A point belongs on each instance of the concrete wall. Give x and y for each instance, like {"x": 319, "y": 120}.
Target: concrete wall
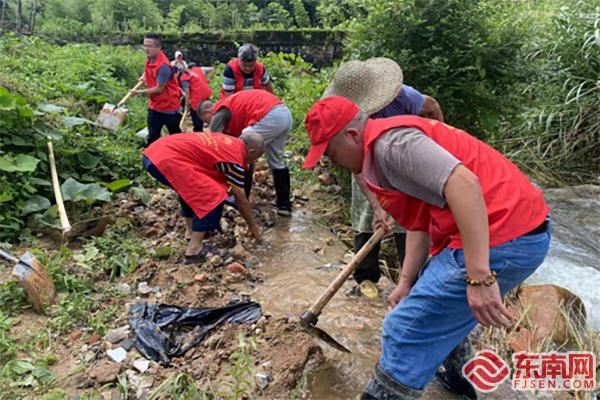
{"x": 319, "y": 47}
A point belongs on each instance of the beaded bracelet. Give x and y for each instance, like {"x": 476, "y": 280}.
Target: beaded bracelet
{"x": 489, "y": 281}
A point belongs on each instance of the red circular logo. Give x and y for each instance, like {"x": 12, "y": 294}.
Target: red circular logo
{"x": 486, "y": 371}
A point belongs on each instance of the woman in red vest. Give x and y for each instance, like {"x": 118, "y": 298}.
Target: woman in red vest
{"x": 245, "y": 72}
{"x": 162, "y": 89}
{"x": 201, "y": 167}
{"x": 484, "y": 224}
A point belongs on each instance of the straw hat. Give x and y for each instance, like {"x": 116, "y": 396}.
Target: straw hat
{"x": 371, "y": 84}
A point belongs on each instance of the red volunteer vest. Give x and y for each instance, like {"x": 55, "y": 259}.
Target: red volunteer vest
{"x": 247, "y": 108}
{"x": 257, "y": 74}
{"x": 170, "y": 98}
{"x": 188, "y": 161}
{"x": 199, "y": 89}
{"x": 514, "y": 205}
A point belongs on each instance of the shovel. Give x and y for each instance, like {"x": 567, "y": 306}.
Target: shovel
{"x": 112, "y": 116}
{"x": 89, "y": 227}
{"x": 309, "y": 318}
{"x": 34, "y": 279}
{"x": 62, "y": 212}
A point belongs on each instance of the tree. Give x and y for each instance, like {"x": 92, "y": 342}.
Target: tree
{"x": 276, "y": 15}
{"x": 447, "y": 49}
{"x": 300, "y": 14}
{"x": 114, "y": 14}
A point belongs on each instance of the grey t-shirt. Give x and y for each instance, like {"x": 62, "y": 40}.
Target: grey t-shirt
{"x": 408, "y": 161}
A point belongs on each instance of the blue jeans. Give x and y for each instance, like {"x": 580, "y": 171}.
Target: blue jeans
{"x": 420, "y": 332}
{"x": 210, "y": 222}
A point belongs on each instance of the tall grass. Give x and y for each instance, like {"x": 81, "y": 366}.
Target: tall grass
{"x": 556, "y": 137}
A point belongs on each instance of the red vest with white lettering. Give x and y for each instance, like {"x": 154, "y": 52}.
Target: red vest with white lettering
{"x": 170, "y": 98}
{"x": 247, "y": 108}
{"x": 514, "y": 206}
{"x": 199, "y": 89}
{"x": 188, "y": 162}
{"x": 257, "y": 74}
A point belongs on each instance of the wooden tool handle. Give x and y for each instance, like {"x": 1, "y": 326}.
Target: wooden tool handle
{"x": 64, "y": 220}
{"x": 5, "y": 256}
{"x": 128, "y": 95}
{"x": 318, "y": 305}
{"x": 183, "y": 118}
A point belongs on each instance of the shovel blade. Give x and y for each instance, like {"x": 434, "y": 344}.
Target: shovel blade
{"x": 326, "y": 337}
{"x": 35, "y": 280}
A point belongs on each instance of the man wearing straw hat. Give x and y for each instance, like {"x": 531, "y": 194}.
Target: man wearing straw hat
{"x": 484, "y": 224}
{"x": 376, "y": 87}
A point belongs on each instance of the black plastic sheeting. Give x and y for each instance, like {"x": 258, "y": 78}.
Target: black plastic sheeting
{"x": 162, "y": 331}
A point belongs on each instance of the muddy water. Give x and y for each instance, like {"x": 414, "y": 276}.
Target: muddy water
{"x": 295, "y": 279}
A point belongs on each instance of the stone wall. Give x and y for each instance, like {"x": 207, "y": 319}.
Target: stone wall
{"x": 319, "y": 47}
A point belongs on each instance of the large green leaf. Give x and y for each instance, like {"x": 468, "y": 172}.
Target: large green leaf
{"x": 74, "y": 121}
{"x": 87, "y": 160}
{"x": 50, "y": 108}
{"x": 7, "y": 100}
{"x": 118, "y": 185}
{"x": 77, "y": 191}
{"x": 20, "y": 163}
{"x": 35, "y": 203}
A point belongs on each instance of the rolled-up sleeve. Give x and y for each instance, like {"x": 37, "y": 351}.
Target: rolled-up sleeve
{"x": 409, "y": 161}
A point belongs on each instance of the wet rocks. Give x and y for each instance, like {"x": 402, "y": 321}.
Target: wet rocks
{"x": 116, "y": 335}
{"x": 551, "y": 312}
{"x": 105, "y": 372}
{"x": 215, "y": 261}
{"x": 236, "y": 268}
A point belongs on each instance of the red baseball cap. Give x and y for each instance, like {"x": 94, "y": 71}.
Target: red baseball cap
{"x": 325, "y": 119}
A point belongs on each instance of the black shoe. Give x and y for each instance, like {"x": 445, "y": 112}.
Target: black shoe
{"x": 281, "y": 180}
{"x": 456, "y": 384}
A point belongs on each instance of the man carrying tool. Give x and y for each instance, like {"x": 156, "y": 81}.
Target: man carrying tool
{"x": 195, "y": 85}
{"x": 484, "y": 224}
{"x": 264, "y": 113}
{"x": 376, "y": 87}
{"x": 162, "y": 89}
{"x": 200, "y": 167}
{"x": 245, "y": 72}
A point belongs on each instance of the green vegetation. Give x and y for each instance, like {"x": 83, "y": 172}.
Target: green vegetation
{"x": 521, "y": 75}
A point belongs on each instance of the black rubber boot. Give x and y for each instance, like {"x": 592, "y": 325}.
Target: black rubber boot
{"x": 281, "y": 180}
{"x": 248, "y": 181}
{"x": 381, "y": 386}
{"x": 450, "y": 373}
{"x": 368, "y": 268}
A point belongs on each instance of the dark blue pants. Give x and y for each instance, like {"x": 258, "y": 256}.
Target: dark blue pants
{"x": 210, "y": 222}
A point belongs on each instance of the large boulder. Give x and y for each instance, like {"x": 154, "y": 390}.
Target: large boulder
{"x": 552, "y": 314}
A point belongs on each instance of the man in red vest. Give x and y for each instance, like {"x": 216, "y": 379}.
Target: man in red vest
{"x": 162, "y": 89}
{"x": 195, "y": 85}
{"x": 264, "y": 113}
{"x": 245, "y": 72}
{"x": 484, "y": 224}
{"x": 201, "y": 167}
